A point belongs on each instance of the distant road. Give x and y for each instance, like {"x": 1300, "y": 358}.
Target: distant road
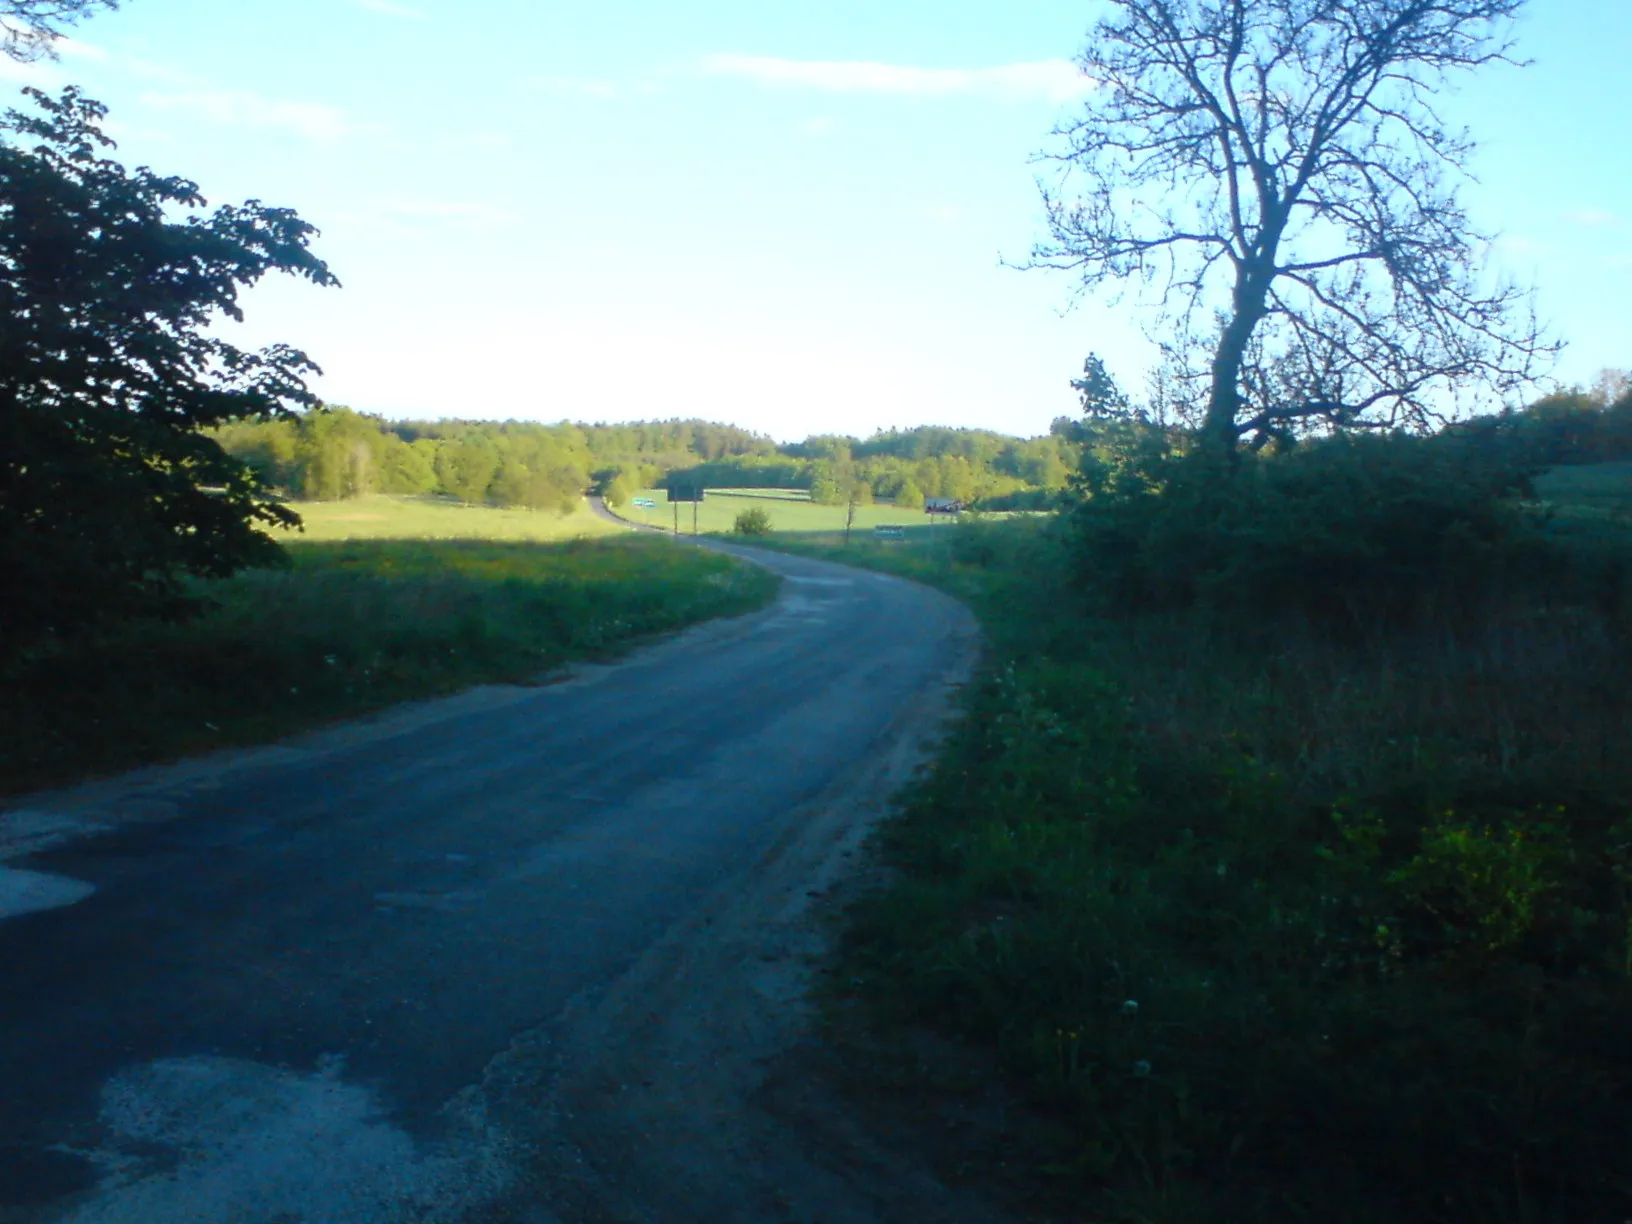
{"x": 334, "y": 980}
{"x": 598, "y": 507}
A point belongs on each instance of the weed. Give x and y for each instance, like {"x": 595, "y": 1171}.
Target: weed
{"x": 348, "y": 627}
{"x": 1285, "y": 921}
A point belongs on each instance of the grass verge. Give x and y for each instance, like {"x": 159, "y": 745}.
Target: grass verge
{"x": 347, "y": 628}
{"x": 1263, "y": 924}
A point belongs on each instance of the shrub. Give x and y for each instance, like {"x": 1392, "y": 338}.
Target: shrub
{"x": 1280, "y": 920}
{"x": 753, "y": 522}
{"x": 1365, "y": 533}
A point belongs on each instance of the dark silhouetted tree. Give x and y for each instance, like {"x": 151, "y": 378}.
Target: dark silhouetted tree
{"x": 1277, "y": 171}
{"x": 110, "y": 494}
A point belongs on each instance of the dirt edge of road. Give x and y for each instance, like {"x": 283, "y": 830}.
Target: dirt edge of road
{"x": 683, "y": 1095}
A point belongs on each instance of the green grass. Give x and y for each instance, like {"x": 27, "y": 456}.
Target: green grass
{"x": 1263, "y": 924}
{"x": 1595, "y": 486}
{"x": 380, "y": 516}
{"x": 348, "y": 628}
{"x": 791, "y": 511}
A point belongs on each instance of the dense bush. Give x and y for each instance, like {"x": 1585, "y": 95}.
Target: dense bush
{"x": 1366, "y": 532}
{"x": 753, "y": 522}
{"x": 1293, "y": 888}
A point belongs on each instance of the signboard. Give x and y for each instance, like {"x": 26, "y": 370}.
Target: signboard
{"x": 681, "y": 493}
{"x": 645, "y": 503}
{"x": 883, "y": 532}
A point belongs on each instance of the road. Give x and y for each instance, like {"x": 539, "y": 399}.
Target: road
{"x": 458, "y": 961}
{"x": 599, "y": 508}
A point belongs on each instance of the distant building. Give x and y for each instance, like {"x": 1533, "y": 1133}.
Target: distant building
{"x": 942, "y": 505}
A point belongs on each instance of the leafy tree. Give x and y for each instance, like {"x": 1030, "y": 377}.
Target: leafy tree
{"x": 338, "y": 455}
{"x": 407, "y": 467}
{"x": 910, "y": 497}
{"x": 958, "y": 479}
{"x": 270, "y": 449}
{"x": 29, "y": 27}
{"x": 110, "y": 493}
{"x": 466, "y": 469}
{"x": 618, "y": 490}
{"x": 1100, "y": 395}
{"x": 824, "y": 485}
{"x": 1276, "y": 168}
{"x": 512, "y": 485}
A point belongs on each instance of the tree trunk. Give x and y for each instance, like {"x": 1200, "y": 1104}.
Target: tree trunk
{"x": 1219, "y": 432}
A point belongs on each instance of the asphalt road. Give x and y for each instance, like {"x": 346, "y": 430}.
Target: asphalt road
{"x": 322, "y": 981}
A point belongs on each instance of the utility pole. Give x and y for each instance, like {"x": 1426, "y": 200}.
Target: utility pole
{"x": 676, "y": 506}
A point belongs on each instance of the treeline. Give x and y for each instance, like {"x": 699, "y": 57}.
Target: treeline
{"x": 338, "y": 453}
{"x": 977, "y": 467}
{"x": 1570, "y": 427}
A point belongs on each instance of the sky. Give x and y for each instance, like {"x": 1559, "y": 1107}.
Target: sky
{"x": 794, "y": 218}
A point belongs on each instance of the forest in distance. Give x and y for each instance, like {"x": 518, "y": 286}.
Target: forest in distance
{"x": 335, "y": 454}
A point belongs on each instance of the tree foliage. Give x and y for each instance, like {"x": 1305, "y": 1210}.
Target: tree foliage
{"x": 29, "y": 27}
{"x": 340, "y": 453}
{"x": 1277, "y": 170}
{"x": 109, "y": 492}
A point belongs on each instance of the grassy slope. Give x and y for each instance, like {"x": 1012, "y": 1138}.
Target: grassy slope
{"x": 349, "y": 627}
{"x": 1275, "y": 933}
{"x": 380, "y": 516}
{"x": 790, "y": 511}
{"x": 1603, "y": 487}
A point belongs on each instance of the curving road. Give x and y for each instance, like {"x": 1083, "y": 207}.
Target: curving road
{"x": 373, "y": 974}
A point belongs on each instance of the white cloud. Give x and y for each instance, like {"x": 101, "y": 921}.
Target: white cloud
{"x": 609, "y": 91}
{"x": 1056, "y": 79}
{"x": 471, "y": 215}
{"x": 820, "y": 125}
{"x": 390, "y": 9}
{"x": 41, "y": 74}
{"x": 1595, "y": 217}
{"x": 313, "y": 121}
{"x": 72, "y": 48}
{"x": 1519, "y": 244}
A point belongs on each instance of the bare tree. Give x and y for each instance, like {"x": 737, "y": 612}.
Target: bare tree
{"x": 29, "y": 27}
{"x": 1278, "y": 172}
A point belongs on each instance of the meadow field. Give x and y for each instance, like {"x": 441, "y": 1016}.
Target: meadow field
{"x": 790, "y": 510}
{"x": 381, "y": 516}
{"x": 1602, "y": 487}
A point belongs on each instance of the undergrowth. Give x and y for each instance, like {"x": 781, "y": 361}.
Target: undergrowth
{"x": 1279, "y": 912}
{"x": 346, "y": 628}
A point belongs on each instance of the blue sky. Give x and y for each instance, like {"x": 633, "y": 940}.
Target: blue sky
{"x": 790, "y": 217}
